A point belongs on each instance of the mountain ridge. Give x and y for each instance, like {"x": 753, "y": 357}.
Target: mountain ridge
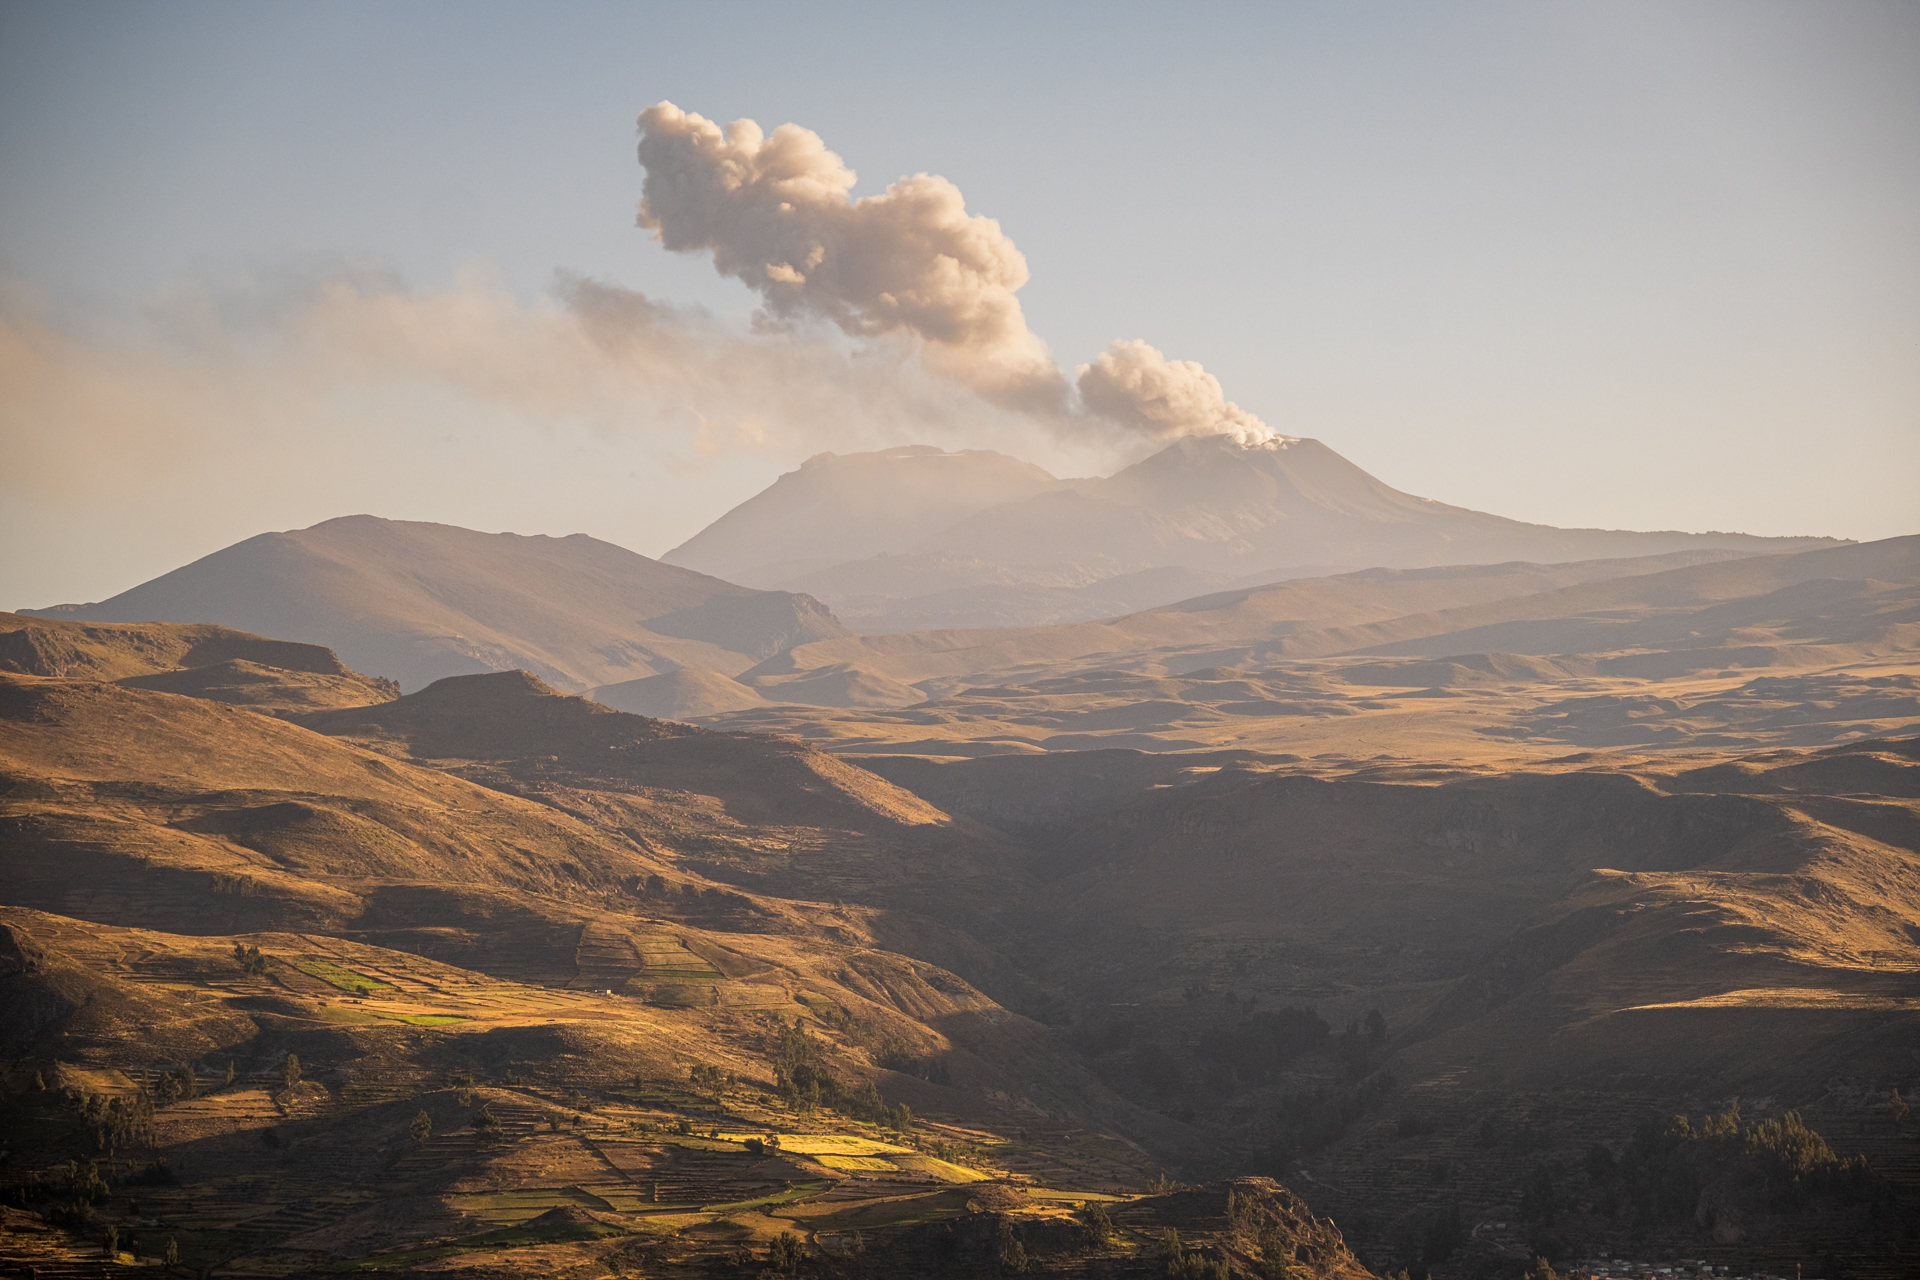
{"x": 1012, "y": 546}
{"x": 417, "y": 601}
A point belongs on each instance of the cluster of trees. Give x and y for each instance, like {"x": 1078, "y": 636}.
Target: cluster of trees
{"x": 895, "y": 1055}
{"x": 117, "y": 1122}
{"x": 76, "y": 1189}
{"x": 804, "y": 1082}
{"x": 249, "y": 959}
{"x": 702, "y": 1076}
{"x": 1780, "y": 1161}
{"x": 1777, "y": 1164}
{"x": 1188, "y": 1264}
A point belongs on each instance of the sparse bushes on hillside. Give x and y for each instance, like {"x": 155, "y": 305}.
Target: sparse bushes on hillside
{"x": 703, "y": 1076}
{"x": 895, "y": 1055}
{"x": 1189, "y": 1264}
{"x": 249, "y": 959}
{"x": 1779, "y": 1162}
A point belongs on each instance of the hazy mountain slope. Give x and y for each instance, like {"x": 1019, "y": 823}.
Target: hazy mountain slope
{"x": 418, "y": 601}
{"x": 200, "y": 661}
{"x": 1208, "y": 503}
{"x": 678, "y": 695}
{"x": 1256, "y": 617}
{"x": 836, "y": 508}
{"x": 1860, "y": 594}
{"x": 928, "y": 592}
{"x": 909, "y": 539}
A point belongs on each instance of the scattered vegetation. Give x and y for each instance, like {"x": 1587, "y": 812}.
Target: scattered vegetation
{"x": 1672, "y": 1169}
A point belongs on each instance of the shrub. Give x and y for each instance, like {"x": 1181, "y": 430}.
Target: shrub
{"x": 786, "y": 1253}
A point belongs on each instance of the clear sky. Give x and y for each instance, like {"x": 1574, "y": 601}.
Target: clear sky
{"x": 1641, "y": 265}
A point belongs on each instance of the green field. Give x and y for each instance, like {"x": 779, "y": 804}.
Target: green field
{"x": 427, "y": 1019}
{"x": 345, "y": 979}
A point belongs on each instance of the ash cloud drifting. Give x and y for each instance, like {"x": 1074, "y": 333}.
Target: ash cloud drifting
{"x": 776, "y": 212}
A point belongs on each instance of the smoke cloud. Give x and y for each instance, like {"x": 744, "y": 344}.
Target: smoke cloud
{"x": 1134, "y": 385}
{"x": 776, "y": 212}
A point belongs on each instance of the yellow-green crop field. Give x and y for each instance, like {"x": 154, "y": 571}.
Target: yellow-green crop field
{"x": 345, "y": 979}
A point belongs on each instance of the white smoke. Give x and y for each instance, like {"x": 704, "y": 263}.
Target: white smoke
{"x": 776, "y": 212}
{"x": 1133, "y": 384}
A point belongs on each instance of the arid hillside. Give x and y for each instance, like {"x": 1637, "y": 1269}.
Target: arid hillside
{"x": 1557, "y": 952}
{"x": 1470, "y": 663}
{"x": 201, "y": 661}
{"x": 607, "y": 954}
{"x": 414, "y": 602}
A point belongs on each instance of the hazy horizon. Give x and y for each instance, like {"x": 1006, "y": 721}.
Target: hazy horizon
{"x": 1650, "y": 267}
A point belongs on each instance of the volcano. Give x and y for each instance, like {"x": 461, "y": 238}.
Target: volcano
{"x": 980, "y": 539}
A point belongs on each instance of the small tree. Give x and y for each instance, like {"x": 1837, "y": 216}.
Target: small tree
{"x": 1276, "y": 1254}
{"x": 1898, "y": 1106}
{"x": 172, "y": 1253}
{"x": 1542, "y": 1270}
{"x": 112, "y": 1247}
{"x": 786, "y": 1253}
{"x": 290, "y": 1070}
{"x": 1013, "y": 1253}
{"x": 421, "y": 1127}
{"x": 231, "y": 1073}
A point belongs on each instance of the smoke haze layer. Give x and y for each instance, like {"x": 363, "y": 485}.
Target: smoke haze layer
{"x": 776, "y": 211}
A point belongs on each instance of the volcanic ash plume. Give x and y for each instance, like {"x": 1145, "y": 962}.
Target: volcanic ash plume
{"x": 1132, "y": 384}
{"x": 775, "y": 212}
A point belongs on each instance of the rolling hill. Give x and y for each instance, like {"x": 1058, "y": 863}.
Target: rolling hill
{"x": 201, "y": 661}
{"x": 1694, "y": 649}
{"x": 415, "y": 602}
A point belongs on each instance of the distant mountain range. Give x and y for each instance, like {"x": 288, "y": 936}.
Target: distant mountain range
{"x": 416, "y": 602}
{"x": 909, "y": 540}
{"x": 915, "y": 538}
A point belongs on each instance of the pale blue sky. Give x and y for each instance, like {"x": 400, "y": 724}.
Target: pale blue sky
{"x": 1648, "y": 265}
